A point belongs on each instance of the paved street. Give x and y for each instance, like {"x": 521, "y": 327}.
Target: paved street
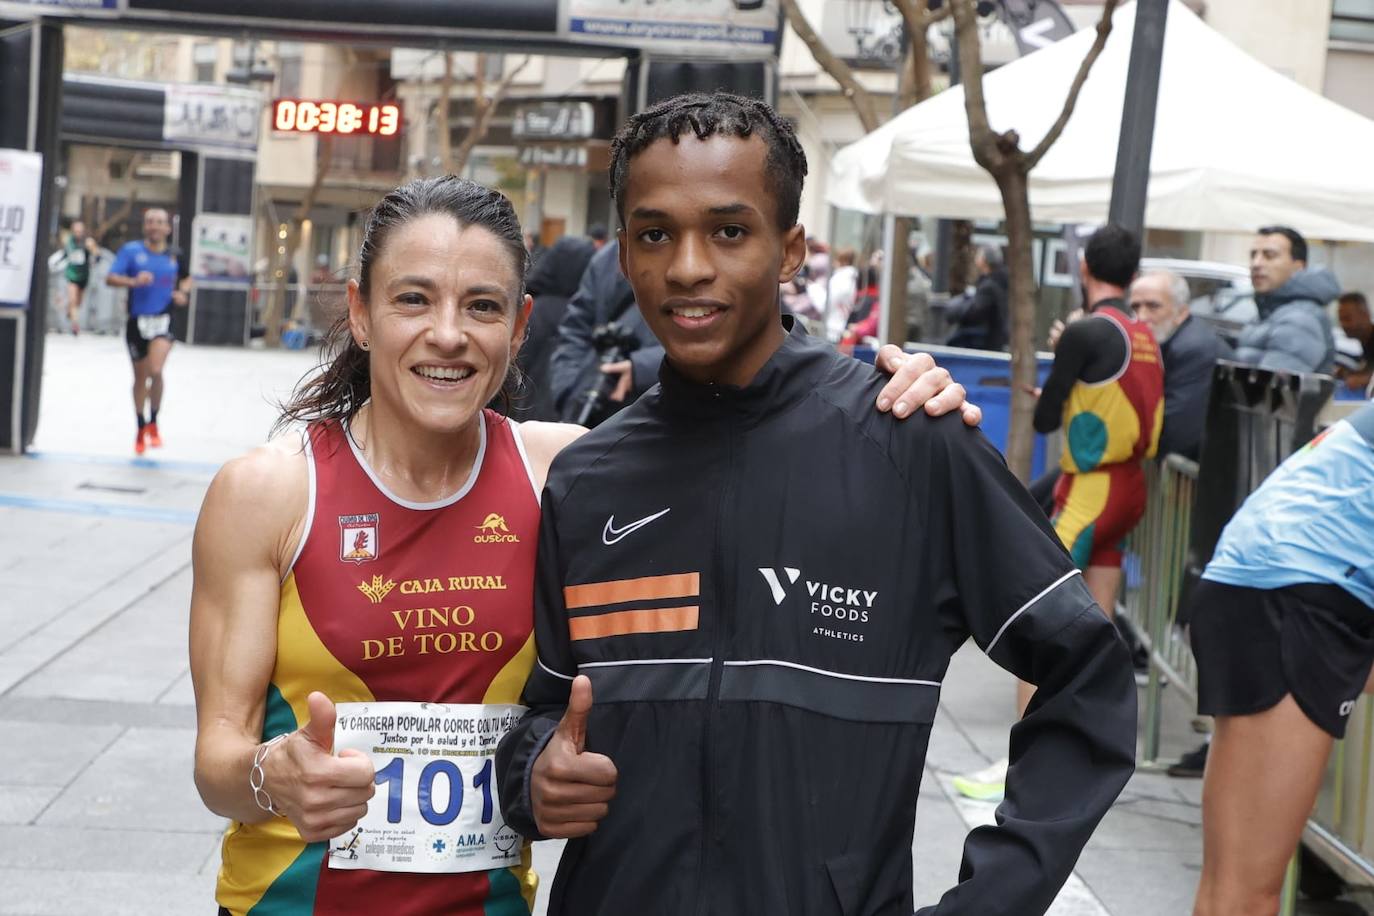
{"x": 98, "y": 813}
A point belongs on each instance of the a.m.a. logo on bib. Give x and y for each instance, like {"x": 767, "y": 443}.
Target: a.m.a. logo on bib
{"x": 493, "y": 530}
{"x": 358, "y": 538}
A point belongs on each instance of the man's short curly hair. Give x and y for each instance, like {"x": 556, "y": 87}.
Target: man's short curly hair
{"x": 723, "y": 114}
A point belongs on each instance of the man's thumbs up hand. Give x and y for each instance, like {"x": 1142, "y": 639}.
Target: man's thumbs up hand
{"x": 570, "y": 789}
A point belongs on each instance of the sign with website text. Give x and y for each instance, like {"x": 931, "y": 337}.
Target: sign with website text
{"x": 21, "y": 178}
{"x": 63, "y": 7}
{"x": 714, "y": 27}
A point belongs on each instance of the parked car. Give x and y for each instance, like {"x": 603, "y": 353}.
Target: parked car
{"x": 1221, "y": 294}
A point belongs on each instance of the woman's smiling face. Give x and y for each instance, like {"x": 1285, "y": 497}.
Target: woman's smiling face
{"x": 442, "y": 319}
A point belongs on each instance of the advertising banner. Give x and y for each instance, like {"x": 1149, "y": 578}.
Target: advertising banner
{"x": 214, "y": 116}
{"x": 221, "y": 248}
{"x": 21, "y": 178}
{"x": 737, "y": 28}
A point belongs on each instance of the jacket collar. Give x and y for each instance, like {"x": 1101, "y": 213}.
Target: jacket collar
{"x": 785, "y": 378}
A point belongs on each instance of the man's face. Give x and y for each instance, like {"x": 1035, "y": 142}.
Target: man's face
{"x": 1272, "y": 262}
{"x": 702, "y": 248}
{"x": 156, "y": 226}
{"x": 1154, "y": 304}
{"x": 79, "y": 231}
{"x": 1354, "y": 319}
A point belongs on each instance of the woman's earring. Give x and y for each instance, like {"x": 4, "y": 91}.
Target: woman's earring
{"x": 363, "y": 345}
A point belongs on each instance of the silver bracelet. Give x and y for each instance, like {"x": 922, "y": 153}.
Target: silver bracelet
{"x": 256, "y": 777}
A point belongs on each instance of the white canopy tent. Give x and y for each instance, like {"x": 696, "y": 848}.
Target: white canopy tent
{"x": 1236, "y": 145}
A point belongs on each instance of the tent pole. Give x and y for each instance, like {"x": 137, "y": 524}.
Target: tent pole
{"x": 886, "y": 294}
{"x": 1138, "y": 117}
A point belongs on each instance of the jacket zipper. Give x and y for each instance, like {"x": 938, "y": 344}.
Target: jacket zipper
{"x": 717, "y": 666}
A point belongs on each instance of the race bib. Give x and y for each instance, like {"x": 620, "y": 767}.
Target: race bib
{"x": 153, "y": 326}
{"x": 436, "y": 807}
{"x": 77, "y": 257}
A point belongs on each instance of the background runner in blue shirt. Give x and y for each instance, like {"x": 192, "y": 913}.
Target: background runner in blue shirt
{"x": 148, "y": 269}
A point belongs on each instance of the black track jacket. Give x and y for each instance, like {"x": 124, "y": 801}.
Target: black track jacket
{"x": 765, "y": 586}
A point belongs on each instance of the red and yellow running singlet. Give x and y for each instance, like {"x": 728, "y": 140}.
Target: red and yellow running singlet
{"x": 392, "y": 600}
{"x": 1119, "y": 419}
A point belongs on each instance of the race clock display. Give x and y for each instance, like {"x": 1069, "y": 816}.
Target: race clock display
{"x": 308, "y": 116}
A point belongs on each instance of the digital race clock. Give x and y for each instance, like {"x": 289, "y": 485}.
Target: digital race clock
{"x": 308, "y": 116}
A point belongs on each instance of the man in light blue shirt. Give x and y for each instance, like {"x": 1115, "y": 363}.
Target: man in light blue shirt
{"x": 1283, "y": 632}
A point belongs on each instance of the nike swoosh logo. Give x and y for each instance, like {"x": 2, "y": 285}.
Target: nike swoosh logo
{"x": 613, "y": 535}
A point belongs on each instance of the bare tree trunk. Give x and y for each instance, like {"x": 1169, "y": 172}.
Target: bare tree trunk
{"x": 483, "y": 110}
{"x": 1001, "y": 155}
{"x": 445, "y": 102}
{"x": 838, "y": 70}
{"x": 126, "y": 208}
{"x": 1021, "y": 308}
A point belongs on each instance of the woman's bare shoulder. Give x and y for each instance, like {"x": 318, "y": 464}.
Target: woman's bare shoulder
{"x": 543, "y": 442}
{"x": 260, "y": 496}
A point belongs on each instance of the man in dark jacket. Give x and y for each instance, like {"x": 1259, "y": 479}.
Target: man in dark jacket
{"x": 1294, "y": 331}
{"x": 603, "y": 296}
{"x": 763, "y": 581}
{"x": 1354, "y": 316}
{"x": 982, "y": 320}
{"x": 552, "y": 282}
{"x": 1190, "y": 349}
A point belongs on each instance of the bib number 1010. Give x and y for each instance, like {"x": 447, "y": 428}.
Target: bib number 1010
{"x": 393, "y": 776}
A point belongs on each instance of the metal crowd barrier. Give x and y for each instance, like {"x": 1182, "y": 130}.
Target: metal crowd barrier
{"x": 1158, "y": 550}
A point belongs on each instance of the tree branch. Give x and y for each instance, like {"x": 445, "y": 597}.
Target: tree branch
{"x": 1104, "y": 28}
{"x": 940, "y": 15}
{"x": 917, "y": 85}
{"x": 853, "y": 90}
{"x": 130, "y": 199}
{"x": 982, "y": 139}
{"x": 484, "y": 109}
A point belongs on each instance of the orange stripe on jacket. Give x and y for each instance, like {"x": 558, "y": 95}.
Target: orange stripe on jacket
{"x": 650, "y": 588}
{"x": 623, "y": 623}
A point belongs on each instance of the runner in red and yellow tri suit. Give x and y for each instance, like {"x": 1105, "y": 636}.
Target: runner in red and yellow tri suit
{"x": 395, "y": 600}
{"x": 1109, "y": 368}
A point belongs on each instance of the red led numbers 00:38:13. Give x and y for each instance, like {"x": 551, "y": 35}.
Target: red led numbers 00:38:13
{"x": 330, "y": 117}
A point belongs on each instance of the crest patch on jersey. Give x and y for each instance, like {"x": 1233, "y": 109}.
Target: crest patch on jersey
{"x": 358, "y": 538}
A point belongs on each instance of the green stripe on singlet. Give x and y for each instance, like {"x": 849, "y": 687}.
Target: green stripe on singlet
{"x": 505, "y": 898}
{"x": 293, "y": 893}
{"x": 277, "y": 719}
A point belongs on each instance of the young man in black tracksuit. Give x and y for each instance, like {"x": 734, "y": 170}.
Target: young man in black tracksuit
{"x": 750, "y": 585}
